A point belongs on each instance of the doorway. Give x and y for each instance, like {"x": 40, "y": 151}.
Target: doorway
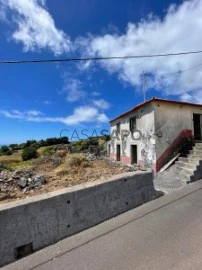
{"x": 133, "y": 154}
{"x": 197, "y": 126}
{"x": 109, "y": 150}
{"x": 118, "y": 152}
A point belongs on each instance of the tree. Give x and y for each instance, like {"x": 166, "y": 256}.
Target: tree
{"x": 30, "y": 142}
{"x": 29, "y": 153}
{"x": 63, "y": 140}
{"x": 5, "y": 150}
{"x": 13, "y": 147}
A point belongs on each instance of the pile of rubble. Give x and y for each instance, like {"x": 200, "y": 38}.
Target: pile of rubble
{"x": 129, "y": 168}
{"x": 90, "y": 157}
{"x": 27, "y": 179}
{"x": 24, "y": 180}
{"x": 46, "y": 163}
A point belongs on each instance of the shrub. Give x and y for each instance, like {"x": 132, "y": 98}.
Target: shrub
{"x": 47, "y": 151}
{"x": 75, "y": 160}
{"x": 61, "y": 153}
{"x": 85, "y": 164}
{"x": 3, "y": 167}
{"x": 5, "y": 150}
{"x": 29, "y": 153}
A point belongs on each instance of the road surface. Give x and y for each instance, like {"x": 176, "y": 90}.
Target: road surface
{"x": 163, "y": 234}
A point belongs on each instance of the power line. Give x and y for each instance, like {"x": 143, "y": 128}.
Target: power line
{"x": 181, "y": 71}
{"x": 96, "y": 58}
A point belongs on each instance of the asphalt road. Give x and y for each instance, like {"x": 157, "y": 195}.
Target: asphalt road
{"x": 163, "y": 234}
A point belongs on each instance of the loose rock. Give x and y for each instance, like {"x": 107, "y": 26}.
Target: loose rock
{"x": 23, "y": 182}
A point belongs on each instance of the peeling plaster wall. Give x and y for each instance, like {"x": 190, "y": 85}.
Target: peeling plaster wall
{"x": 160, "y": 124}
{"x": 170, "y": 121}
{"x": 146, "y": 152}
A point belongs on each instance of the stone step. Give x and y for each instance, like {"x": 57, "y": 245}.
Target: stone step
{"x": 190, "y": 159}
{"x": 195, "y": 160}
{"x": 188, "y": 165}
{"x": 197, "y": 148}
{"x": 185, "y": 176}
{"x": 198, "y": 145}
{"x": 198, "y": 156}
{"x": 189, "y": 171}
{"x": 196, "y": 151}
{"x": 183, "y": 159}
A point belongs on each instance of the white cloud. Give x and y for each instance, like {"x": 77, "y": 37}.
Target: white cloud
{"x": 179, "y": 31}
{"x": 35, "y": 27}
{"x": 34, "y": 113}
{"x": 3, "y": 15}
{"x": 82, "y": 114}
{"x": 102, "y": 118}
{"x": 72, "y": 88}
{"x": 194, "y": 96}
{"x": 85, "y": 114}
{"x": 96, "y": 93}
{"x": 16, "y": 114}
{"x": 102, "y": 104}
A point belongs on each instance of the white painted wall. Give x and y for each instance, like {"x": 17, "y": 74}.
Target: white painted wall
{"x": 170, "y": 120}
{"x": 146, "y": 145}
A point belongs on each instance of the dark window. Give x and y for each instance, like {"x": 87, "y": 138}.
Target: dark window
{"x": 118, "y": 152}
{"x": 118, "y": 128}
{"x": 133, "y": 154}
{"x": 133, "y": 123}
{"x": 197, "y": 126}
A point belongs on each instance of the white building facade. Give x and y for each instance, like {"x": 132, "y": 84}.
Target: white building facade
{"x": 151, "y": 132}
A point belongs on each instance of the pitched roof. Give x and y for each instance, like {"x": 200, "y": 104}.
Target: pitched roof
{"x": 155, "y": 99}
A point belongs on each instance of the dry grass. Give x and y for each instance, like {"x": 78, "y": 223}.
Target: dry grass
{"x": 72, "y": 165}
{"x": 15, "y": 157}
{"x": 61, "y": 153}
{"x": 75, "y": 160}
{"x": 73, "y": 170}
{"x": 14, "y": 162}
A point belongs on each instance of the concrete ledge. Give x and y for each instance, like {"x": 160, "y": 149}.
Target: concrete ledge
{"x": 73, "y": 242}
{"x": 42, "y": 220}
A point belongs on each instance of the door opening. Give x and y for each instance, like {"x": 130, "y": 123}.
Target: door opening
{"x": 109, "y": 150}
{"x": 197, "y": 126}
{"x": 133, "y": 154}
{"x": 118, "y": 152}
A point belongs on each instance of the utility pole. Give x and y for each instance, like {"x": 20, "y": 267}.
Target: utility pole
{"x": 144, "y": 85}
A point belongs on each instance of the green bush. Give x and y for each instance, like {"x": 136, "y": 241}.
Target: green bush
{"x": 47, "y": 152}
{"x": 29, "y": 153}
{"x": 5, "y": 150}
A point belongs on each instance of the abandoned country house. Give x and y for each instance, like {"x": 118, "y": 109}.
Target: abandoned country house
{"x": 152, "y": 132}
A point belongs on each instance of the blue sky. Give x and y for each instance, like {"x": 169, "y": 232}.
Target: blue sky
{"x": 40, "y": 100}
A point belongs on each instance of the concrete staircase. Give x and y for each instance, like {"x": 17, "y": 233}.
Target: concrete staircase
{"x": 190, "y": 167}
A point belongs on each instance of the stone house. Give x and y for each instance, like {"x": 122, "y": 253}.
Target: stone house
{"x": 150, "y": 133}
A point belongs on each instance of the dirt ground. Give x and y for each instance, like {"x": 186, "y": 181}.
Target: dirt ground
{"x": 71, "y": 176}
{"x": 61, "y": 173}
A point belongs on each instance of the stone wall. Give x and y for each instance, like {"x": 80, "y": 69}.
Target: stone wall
{"x": 31, "y": 224}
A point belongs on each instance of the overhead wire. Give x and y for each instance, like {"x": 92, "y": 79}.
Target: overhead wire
{"x": 96, "y": 58}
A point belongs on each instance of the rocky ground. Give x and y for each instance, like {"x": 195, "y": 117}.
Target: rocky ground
{"x": 53, "y": 173}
